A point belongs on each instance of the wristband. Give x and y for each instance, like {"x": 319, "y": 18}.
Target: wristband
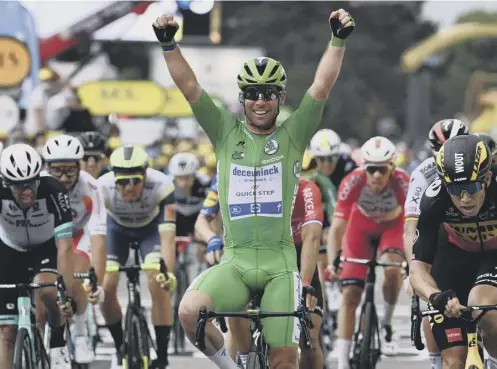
{"x": 168, "y": 46}
{"x": 337, "y": 42}
{"x": 306, "y": 283}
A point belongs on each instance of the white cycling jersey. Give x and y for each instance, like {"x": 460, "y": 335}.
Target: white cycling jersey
{"x": 142, "y": 212}
{"x": 421, "y": 177}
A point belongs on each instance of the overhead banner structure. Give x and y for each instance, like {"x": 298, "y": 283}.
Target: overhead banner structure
{"x": 133, "y": 98}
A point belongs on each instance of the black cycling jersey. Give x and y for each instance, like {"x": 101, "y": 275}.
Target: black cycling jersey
{"x": 472, "y": 234}
{"x": 344, "y": 166}
{"x": 188, "y": 207}
{"x": 49, "y": 216}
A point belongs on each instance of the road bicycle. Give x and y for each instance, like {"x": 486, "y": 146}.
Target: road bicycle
{"x": 30, "y": 351}
{"x": 258, "y": 355}
{"x": 137, "y": 338}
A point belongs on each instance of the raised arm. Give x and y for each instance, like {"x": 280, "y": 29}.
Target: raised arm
{"x": 342, "y": 25}
{"x": 165, "y": 27}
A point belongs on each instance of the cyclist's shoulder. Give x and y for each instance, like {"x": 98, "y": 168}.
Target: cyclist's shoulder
{"x": 308, "y": 188}
{"x": 346, "y": 163}
{"x": 354, "y": 177}
{"x": 50, "y": 185}
{"x": 87, "y": 182}
{"x": 158, "y": 182}
{"x": 426, "y": 169}
{"x": 435, "y": 199}
{"x": 107, "y": 180}
{"x": 400, "y": 175}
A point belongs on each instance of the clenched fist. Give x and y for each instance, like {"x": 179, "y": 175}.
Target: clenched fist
{"x": 165, "y": 27}
{"x": 341, "y": 23}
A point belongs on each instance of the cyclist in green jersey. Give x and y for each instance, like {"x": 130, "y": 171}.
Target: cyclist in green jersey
{"x": 258, "y": 169}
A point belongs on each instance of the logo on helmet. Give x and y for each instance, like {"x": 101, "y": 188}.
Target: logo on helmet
{"x": 480, "y": 156}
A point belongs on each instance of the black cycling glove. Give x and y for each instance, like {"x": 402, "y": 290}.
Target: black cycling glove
{"x": 439, "y": 299}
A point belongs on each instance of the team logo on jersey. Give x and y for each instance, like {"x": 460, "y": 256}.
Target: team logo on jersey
{"x": 237, "y": 155}
{"x": 296, "y": 169}
{"x": 434, "y": 188}
{"x": 416, "y": 236}
{"x": 271, "y": 146}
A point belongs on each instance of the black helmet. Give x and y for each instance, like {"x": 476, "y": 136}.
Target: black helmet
{"x": 463, "y": 159}
{"x": 489, "y": 141}
{"x": 443, "y": 130}
{"x": 93, "y": 143}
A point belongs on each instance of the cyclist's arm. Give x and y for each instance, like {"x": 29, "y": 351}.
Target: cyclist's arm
{"x": 60, "y": 207}
{"x": 337, "y": 230}
{"x": 210, "y": 208}
{"x": 97, "y": 226}
{"x": 182, "y": 75}
{"x": 327, "y": 73}
{"x": 167, "y": 229}
{"x": 425, "y": 249}
{"x": 311, "y": 231}
{"x": 410, "y": 225}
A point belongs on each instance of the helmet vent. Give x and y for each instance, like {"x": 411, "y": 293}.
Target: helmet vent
{"x": 274, "y": 70}
{"x": 10, "y": 173}
{"x": 28, "y": 156}
{"x": 37, "y": 166}
{"x": 249, "y": 72}
{"x": 78, "y": 149}
{"x": 128, "y": 152}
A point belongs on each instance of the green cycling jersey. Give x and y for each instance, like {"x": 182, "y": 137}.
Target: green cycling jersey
{"x": 328, "y": 191}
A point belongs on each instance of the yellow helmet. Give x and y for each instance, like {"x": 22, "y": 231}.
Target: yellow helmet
{"x": 210, "y": 161}
{"x": 114, "y": 142}
{"x": 308, "y": 162}
{"x": 129, "y": 159}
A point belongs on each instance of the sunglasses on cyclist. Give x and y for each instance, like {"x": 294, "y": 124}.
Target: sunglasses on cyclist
{"x": 97, "y": 157}
{"x": 60, "y": 171}
{"x": 329, "y": 159}
{"x": 261, "y": 93}
{"x": 23, "y": 185}
{"x": 372, "y": 169}
{"x": 132, "y": 180}
{"x": 456, "y": 189}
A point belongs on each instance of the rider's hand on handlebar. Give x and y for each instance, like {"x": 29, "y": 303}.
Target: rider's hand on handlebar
{"x": 93, "y": 297}
{"x": 311, "y": 301}
{"x": 330, "y": 274}
{"x": 214, "y": 250}
{"x": 67, "y": 308}
{"x": 408, "y": 287}
{"x": 447, "y": 302}
{"x": 168, "y": 283}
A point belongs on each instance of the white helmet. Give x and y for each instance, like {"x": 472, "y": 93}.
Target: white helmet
{"x": 378, "y": 150}
{"x": 325, "y": 142}
{"x": 63, "y": 148}
{"x": 20, "y": 162}
{"x": 183, "y": 164}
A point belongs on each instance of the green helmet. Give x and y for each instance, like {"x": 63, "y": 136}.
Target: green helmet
{"x": 129, "y": 159}
{"x": 262, "y": 71}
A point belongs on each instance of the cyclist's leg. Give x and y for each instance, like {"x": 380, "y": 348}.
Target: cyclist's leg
{"x": 13, "y": 269}
{"x": 83, "y": 345}
{"x": 485, "y": 293}
{"x": 162, "y": 310}
{"x": 118, "y": 241}
{"x": 456, "y": 269}
{"x": 219, "y": 288}
{"x": 391, "y": 249}
{"x": 356, "y": 245}
{"x": 239, "y": 339}
{"x": 283, "y": 292}
{"x": 313, "y": 358}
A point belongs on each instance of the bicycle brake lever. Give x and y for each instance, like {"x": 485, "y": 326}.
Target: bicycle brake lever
{"x": 93, "y": 279}
{"x": 163, "y": 268}
{"x": 200, "y": 334}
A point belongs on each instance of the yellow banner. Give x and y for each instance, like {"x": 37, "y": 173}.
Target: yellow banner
{"x": 133, "y": 98}
{"x": 15, "y": 62}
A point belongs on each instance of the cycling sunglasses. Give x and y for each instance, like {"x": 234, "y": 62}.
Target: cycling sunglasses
{"x": 23, "y": 185}
{"x": 123, "y": 181}
{"x": 329, "y": 159}
{"x": 456, "y": 189}
{"x": 60, "y": 171}
{"x": 372, "y": 169}
{"x": 261, "y": 93}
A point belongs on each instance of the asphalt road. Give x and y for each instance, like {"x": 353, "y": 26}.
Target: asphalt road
{"x": 407, "y": 358}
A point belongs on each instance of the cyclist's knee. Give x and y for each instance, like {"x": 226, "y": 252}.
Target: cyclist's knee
{"x": 454, "y": 357}
{"x": 351, "y": 296}
{"x": 111, "y": 280}
{"x": 8, "y": 334}
{"x": 283, "y": 358}
{"x": 189, "y": 306}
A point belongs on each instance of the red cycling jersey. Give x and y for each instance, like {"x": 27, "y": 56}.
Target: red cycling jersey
{"x": 308, "y": 208}
{"x": 370, "y": 215}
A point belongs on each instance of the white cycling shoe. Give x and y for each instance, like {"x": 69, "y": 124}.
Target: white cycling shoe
{"x": 59, "y": 358}
{"x": 83, "y": 350}
{"x": 389, "y": 346}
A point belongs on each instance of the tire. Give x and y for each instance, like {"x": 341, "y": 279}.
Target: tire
{"x": 179, "y": 333}
{"x": 23, "y": 354}
{"x": 41, "y": 349}
{"x": 137, "y": 341}
{"x": 367, "y": 358}
{"x": 255, "y": 360}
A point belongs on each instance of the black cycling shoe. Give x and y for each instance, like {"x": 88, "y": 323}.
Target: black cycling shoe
{"x": 156, "y": 364}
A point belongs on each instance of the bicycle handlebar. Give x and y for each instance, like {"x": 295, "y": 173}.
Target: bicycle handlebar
{"x": 377, "y": 262}
{"x": 416, "y": 324}
{"x": 160, "y": 267}
{"x": 91, "y": 276}
{"x": 466, "y": 309}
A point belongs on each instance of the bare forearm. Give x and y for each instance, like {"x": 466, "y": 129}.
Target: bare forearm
{"x": 182, "y": 75}
{"x": 327, "y": 72}
{"x": 168, "y": 249}
{"x": 99, "y": 256}
{"x": 335, "y": 239}
{"x": 309, "y": 256}
{"x": 409, "y": 232}
{"x": 65, "y": 260}
{"x": 204, "y": 229}
{"x": 421, "y": 280}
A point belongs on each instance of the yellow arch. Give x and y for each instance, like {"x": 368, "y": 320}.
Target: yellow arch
{"x": 413, "y": 58}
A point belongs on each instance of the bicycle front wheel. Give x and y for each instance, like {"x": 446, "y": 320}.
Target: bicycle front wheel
{"x": 255, "y": 360}
{"x": 137, "y": 348}
{"x": 369, "y": 346}
{"x": 179, "y": 333}
{"x": 23, "y": 352}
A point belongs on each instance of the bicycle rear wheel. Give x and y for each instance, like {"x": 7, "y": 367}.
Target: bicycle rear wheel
{"x": 370, "y": 348}
{"x": 137, "y": 354}
{"x": 23, "y": 353}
